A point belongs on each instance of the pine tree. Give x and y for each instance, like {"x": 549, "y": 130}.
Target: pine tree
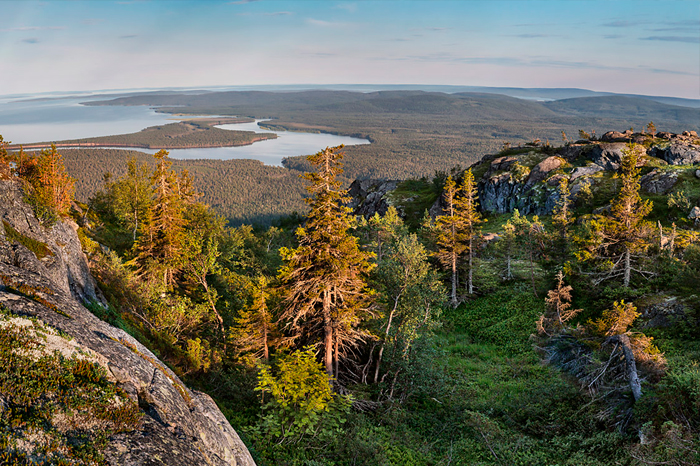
{"x": 324, "y": 279}
{"x": 255, "y": 328}
{"x": 164, "y": 225}
{"x": 450, "y": 236}
{"x": 562, "y": 219}
{"x": 620, "y": 240}
{"x": 469, "y": 219}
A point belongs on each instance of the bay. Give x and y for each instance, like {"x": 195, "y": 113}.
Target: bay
{"x": 27, "y": 121}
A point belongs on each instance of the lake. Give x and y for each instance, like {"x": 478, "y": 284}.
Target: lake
{"x": 52, "y": 120}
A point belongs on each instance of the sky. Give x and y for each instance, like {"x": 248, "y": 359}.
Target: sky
{"x": 624, "y": 46}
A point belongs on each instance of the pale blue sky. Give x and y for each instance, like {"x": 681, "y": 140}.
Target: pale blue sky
{"x": 645, "y": 47}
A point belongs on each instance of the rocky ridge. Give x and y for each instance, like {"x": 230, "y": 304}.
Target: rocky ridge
{"x": 45, "y": 276}
{"x": 528, "y": 178}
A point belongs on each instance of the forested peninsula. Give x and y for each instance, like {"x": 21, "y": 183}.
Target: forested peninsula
{"x": 188, "y": 134}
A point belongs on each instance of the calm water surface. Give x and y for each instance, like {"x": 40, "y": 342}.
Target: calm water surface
{"x": 54, "y": 120}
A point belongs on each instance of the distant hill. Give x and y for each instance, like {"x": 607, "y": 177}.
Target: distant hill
{"x": 414, "y": 132}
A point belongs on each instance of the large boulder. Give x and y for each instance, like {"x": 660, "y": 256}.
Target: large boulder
{"x": 588, "y": 170}
{"x": 656, "y": 182}
{"x": 679, "y": 154}
{"x": 608, "y": 156}
{"x": 44, "y": 276}
{"x": 695, "y": 214}
{"x": 612, "y": 136}
{"x": 541, "y": 171}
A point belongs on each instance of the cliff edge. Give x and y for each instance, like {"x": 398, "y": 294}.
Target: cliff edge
{"x": 44, "y": 283}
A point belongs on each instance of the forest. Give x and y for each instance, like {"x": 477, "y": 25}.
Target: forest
{"x": 416, "y": 133}
{"x": 469, "y": 336}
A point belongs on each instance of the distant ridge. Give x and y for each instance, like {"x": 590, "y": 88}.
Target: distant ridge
{"x": 542, "y": 94}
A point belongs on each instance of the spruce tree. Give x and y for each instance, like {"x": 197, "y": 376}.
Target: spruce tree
{"x": 450, "y": 236}
{"x": 324, "y": 277}
{"x": 160, "y": 244}
{"x": 469, "y": 220}
{"x": 619, "y": 241}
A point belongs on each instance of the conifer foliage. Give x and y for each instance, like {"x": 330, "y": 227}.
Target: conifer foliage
{"x": 619, "y": 240}
{"x": 325, "y": 276}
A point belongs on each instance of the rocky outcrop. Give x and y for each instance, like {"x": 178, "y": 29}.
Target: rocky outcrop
{"x": 656, "y": 182}
{"x": 370, "y": 196}
{"x": 694, "y": 214}
{"x": 608, "y": 156}
{"x": 678, "y": 154}
{"x": 588, "y": 170}
{"x": 45, "y": 276}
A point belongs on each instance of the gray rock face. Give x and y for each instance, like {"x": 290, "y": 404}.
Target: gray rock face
{"x": 180, "y": 426}
{"x": 695, "y": 214}
{"x": 679, "y": 154}
{"x": 608, "y": 156}
{"x": 585, "y": 171}
{"x": 611, "y": 136}
{"x": 369, "y": 196}
{"x": 502, "y": 194}
{"x": 65, "y": 265}
{"x": 697, "y": 174}
{"x": 658, "y": 183}
{"x": 541, "y": 171}
{"x": 503, "y": 163}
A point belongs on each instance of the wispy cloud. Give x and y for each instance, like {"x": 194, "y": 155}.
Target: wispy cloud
{"x": 327, "y": 24}
{"x": 278, "y": 13}
{"x": 31, "y": 40}
{"x": 349, "y": 7}
{"x": 242, "y": 2}
{"x": 34, "y": 28}
{"x": 623, "y": 24}
{"x": 129, "y": 36}
{"x": 612, "y": 36}
{"x": 664, "y": 71}
{"x": 531, "y": 36}
{"x": 91, "y": 21}
{"x": 686, "y": 39}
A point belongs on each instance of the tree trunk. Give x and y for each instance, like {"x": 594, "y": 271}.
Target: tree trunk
{"x": 631, "y": 366}
{"x": 628, "y": 268}
{"x": 328, "y": 333}
{"x": 453, "y": 299}
{"x": 386, "y": 335}
{"x": 470, "y": 282}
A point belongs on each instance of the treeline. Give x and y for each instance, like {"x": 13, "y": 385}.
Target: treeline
{"x": 243, "y": 191}
{"x": 181, "y": 135}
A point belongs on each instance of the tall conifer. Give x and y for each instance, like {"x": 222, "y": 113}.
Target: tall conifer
{"x": 325, "y": 276}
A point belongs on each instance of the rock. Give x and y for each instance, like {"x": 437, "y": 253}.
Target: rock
{"x": 695, "y": 214}
{"x": 662, "y": 314}
{"x": 571, "y": 152}
{"x": 612, "y": 136}
{"x": 580, "y": 183}
{"x": 541, "y": 170}
{"x": 608, "y": 155}
{"x": 503, "y": 163}
{"x": 369, "y": 196}
{"x": 606, "y": 209}
{"x": 556, "y": 180}
{"x": 691, "y": 134}
{"x": 679, "y": 154}
{"x": 664, "y": 135}
{"x": 584, "y": 171}
{"x": 697, "y": 173}
{"x": 179, "y": 426}
{"x": 658, "y": 183}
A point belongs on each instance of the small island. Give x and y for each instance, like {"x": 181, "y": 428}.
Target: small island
{"x": 187, "y": 134}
